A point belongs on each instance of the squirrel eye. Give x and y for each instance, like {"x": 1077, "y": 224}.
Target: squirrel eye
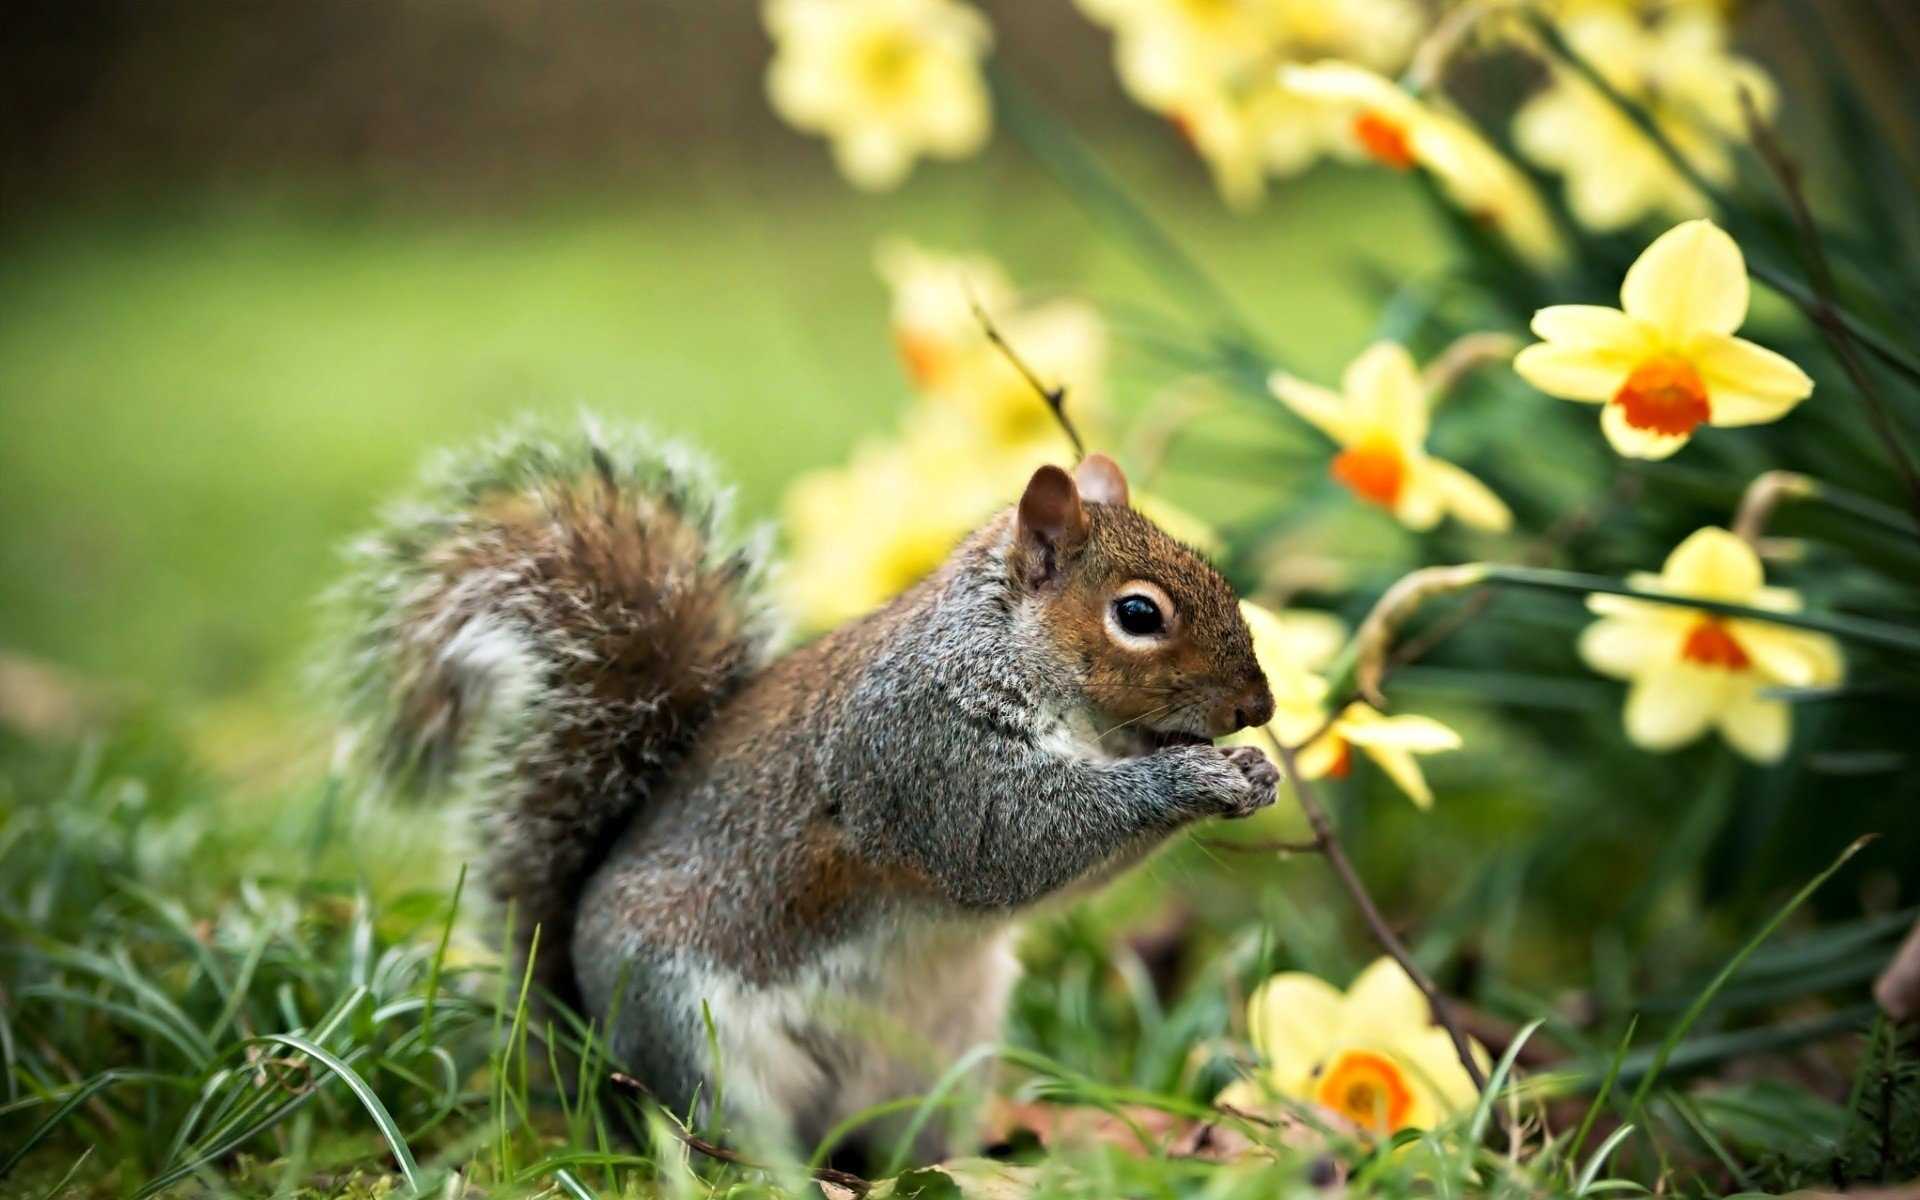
{"x": 1138, "y": 615}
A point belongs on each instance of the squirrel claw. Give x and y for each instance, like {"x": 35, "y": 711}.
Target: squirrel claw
{"x": 1261, "y": 780}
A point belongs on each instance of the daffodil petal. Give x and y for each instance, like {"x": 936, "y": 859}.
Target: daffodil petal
{"x": 1691, "y": 280}
{"x": 1794, "y": 657}
{"x": 1632, "y": 442}
{"x": 1714, "y": 565}
{"x": 1384, "y": 391}
{"x": 1384, "y": 1003}
{"x": 1606, "y": 604}
{"x": 1572, "y": 372}
{"x": 1625, "y": 647}
{"x": 1421, "y": 503}
{"x": 1669, "y": 707}
{"x": 873, "y": 157}
{"x": 1401, "y": 767}
{"x": 1757, "y": 727}
{"x": 1407, "y": 731}
{"x": 1292, "y": 1016}
{"x": 1469, "y": 500}
{"x": 1776, "y": 599}
{"x": 1747, "y": 384}
{"x": 1431, "y": 1059}
{"x": 1593, "y": 327}
{"x": 1316, "y": 760}
{"x": 1325, "y": 410}
{"x": 1346, "y": 85}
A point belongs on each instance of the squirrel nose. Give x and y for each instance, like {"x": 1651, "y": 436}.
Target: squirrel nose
{"x": 1255, "y": 706}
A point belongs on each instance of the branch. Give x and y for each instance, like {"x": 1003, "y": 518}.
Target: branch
{"x": 693, "y": 1141}
{"x": 1329, "y": 842}
{"x": 1055, "y": 397}
{"x": 1824, "y": 310}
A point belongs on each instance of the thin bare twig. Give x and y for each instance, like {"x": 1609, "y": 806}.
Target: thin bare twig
{"x": 693, "y": 1141}
{"x": 1329, "y": 839}
{"x": 1055, "y": 397}
{"x": 1824, "y": 310}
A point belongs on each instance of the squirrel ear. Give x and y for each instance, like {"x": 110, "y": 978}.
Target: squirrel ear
{"x": 1050, "y": 522}
{"x": 1101, "y": 481}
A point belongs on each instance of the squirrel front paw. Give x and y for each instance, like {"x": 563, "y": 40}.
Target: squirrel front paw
{"x": 1231, "y": 781}
{"x": 1260, "y": 777}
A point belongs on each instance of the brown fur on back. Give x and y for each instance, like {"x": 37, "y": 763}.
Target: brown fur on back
{"x": 549, "y": 638}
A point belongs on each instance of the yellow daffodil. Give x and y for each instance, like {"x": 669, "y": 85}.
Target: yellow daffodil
{"x": 956, "y": 368}
{"x": 1666, "y": 361}
{"x": 1372, "y": 1054}
{"x": 1380, "y": 421}
{"x": 1208, "y": 65}
{"x": 1380, "y": 121}
{"x": 1691, "y": 670}
{"x": 1680, "y": 70}
{"x": 885, "y": 80}
{"x": 1300, "y": 713}
{"x": 863, "y": 533}
{"x": 1168, "y": 50}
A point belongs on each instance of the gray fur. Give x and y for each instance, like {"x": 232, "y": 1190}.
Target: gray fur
{"x": 829, "y": 853}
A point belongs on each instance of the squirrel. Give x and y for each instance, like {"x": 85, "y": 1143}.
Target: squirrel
{"x": 784, "y": 885}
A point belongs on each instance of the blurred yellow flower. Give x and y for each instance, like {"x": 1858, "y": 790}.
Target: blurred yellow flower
{"x": 1690, "y": 670}
{"x": 1677, "y": 67}
{"x": 863, "y": 533}
{"x": 1208, "y": 65}
{"x": 1291, "y": 640}
{"x": 1285, "y": 652}
{"x": 1372, "y": 1054}
{"x": 1381, "y": 424}
{"x": 955, "y": 367}
{"x": 1666, "y": 361}
{"x": 1378, "y": 120}
{"x": 885, "y": 80}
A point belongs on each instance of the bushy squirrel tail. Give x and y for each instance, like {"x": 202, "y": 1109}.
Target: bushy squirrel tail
{"x": 541, "y": 630}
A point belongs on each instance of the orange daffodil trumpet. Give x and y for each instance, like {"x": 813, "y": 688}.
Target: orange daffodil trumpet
{"x": 1380, "y": 420}
{"x": 1372, "y": 1054}
{"x": 885, "y": 80}
{"x": 1692, "y": 670}
{"x": 1386, "y": 124}
{"x": 1286, "y": 645}
{"x": 1666, "y": 361}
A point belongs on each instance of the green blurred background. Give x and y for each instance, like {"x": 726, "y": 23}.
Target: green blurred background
{"x": 255, "y": 264}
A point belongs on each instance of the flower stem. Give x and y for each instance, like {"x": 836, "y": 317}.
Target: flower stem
{"x": 1328, "y": 843}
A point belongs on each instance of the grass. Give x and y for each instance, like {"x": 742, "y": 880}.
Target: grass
{"x": 280, "y": 998}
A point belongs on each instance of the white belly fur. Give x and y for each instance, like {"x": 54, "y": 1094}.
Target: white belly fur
{"x": 872, "y": 1021}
